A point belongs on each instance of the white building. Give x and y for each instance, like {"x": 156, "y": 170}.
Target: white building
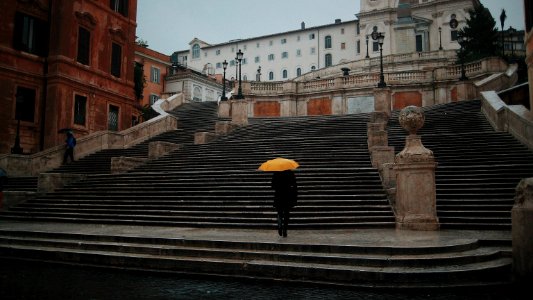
{"x": 408, "y": 25}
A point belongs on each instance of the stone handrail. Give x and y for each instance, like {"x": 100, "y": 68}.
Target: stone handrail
{"x": 515, "y": 119}
{"x": 366, "y": 79}
{"x": 31, "y": 165}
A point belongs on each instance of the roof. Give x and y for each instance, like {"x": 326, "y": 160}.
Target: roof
{"x": 271, "y": 35}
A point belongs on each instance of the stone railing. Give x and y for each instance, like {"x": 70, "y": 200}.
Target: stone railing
{"x": 369, "y": 80}
{"x": 32, "y": 165}
{"x": 515, "y": 119}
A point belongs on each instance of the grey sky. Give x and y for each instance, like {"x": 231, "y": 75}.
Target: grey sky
{"x": 169, "y": 25}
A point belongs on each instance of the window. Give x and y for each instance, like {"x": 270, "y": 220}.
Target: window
{"x": 197, "y": 94}
{"x": 313, "y": 68}
{"x": 257, "y": 59}
{"x": 285, "y": 55}
{"x": 112, "y": 118}
{"x": 271, "y": 75}
{"x": 312, "y": 36}
{"x": 80, "y": 109}
{"x": 419, "y": 46}
{"x": 155, "y": 75}
{"x": 453, "y": 35}
{"x": 120, "y": 6}
{"x": 342, "y": 30}
{"x": 244, "y": 77}
{"x": 257, "y": 45}
{"x": 285, "y": 74}
{"x": 358, "y": 29}
{"x": 343, "y": 45}
{"x": 357, "y": 47}
{"x": 84, "y": 46}
{"x": 219, "y": 65}
{"x": 205, "y": 54}
{"x": 327, "y": 41}
{"x": 217, "y": 52}
{"x": 284, "y": 41}
{"x": 195, "y": 51}
{"x": 329, "y": 60}
{"x": 153, "y": 99}
{"x": 313, "y": 50}
{"x": 375, "y": 46}
{"x": 299, "y": 72}
{"x": 25, "y": 104}
{"x": 116, "y": 59}
{"x": 30, "y": 35}
{"x": 298, "y": 52}
{"x": 298, "y": 38}
{"x": 271, "y": 43}
{"x": 271, "y": 57}
{"x": 232, "y": 62}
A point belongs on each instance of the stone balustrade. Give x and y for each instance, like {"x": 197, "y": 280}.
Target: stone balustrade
{"x": 31, "y": 165}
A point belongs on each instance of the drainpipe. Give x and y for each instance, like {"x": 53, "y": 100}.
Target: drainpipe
{"x": 45, "y": 79}
{"x": 318, "y": 48}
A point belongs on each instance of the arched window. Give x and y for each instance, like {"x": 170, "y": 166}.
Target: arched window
{"x": 196, "y": 51}
{"x": 313, "y": 68}
{"x": 329, "y": 60}
{"x": 285, "y": 74}
{"x": 271, "y": 76}
{"x": 327, "y": 41}
{"x": 245, "y": 78}
{"x": 197, "y": 93}
{"x": 299, "y": 72}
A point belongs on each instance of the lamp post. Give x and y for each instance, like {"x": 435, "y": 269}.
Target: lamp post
{"x": 440, "y": 38}
{"x": 462, "y": 40}
{"x": 224, "y": 66}
{"x": 239, "y": 59}
{"x": 367, "y": 56}
{"x": 380, "y": 37}
{"x": 511, "y": 32}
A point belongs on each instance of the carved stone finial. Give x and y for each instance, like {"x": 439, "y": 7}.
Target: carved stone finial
{"x": 524, "y": 193}
{"x": 412, "y": 118}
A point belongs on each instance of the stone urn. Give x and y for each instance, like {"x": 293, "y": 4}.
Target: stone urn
{"x": 412, "y": 118}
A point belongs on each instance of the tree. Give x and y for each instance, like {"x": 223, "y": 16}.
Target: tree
{"x": 139, "y": 80}
{"x": 503, "y": 17}
{"x": 481, "y": 34}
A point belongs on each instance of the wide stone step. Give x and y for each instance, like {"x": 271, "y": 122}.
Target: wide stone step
{"x": 366, "y": 265}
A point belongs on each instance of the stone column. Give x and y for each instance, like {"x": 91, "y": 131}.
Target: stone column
{"x": 382, "y": 100}
{"x": 415, "y": 177}
{"x": 239, "y": 112}
{"x": 522, "y": 232}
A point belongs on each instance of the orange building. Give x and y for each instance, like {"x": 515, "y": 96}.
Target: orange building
{"x": 155, "y": 66}
{"x": 65, "y": 64}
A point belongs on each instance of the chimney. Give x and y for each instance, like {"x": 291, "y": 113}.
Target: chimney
{"x": 303, "y": 25}
{"x": 337, "y": 21}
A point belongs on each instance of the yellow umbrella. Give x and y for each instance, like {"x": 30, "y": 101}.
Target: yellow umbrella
{"x": 278, "y": 164}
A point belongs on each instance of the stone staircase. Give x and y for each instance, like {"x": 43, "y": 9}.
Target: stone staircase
{"x": 478, "y": 168}
{"x": 218, "y": 185}
{"x": 451, "y": 263}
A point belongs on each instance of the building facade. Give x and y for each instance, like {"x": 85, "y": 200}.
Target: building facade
{"x": 528, "y": 11}
{"x": 65, "y": 64}
{"x": 409, "y": 26}
{"x": 155, "y": 66}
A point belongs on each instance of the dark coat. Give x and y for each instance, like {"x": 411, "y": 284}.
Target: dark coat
{"x": 285, "y": 189}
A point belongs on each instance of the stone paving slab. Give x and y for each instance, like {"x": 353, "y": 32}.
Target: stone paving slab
{"x": 355, "y": 237}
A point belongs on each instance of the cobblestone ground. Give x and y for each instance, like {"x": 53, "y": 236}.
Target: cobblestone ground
{"x": 33, "y": 280}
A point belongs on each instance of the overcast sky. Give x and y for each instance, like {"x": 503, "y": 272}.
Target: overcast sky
{"x": 169, "y": 25}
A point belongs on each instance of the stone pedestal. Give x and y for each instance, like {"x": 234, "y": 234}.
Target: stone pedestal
{"x": 224, "y": 127}
{"x": 465, "y": 90}
{"x": 239, "y": 112}
{"x": 224, "y": 109}
{"x": 378, "y": 138}
{"x": 522, "y": 232}
{"x": 123, "y": 164}
{"x": 381, "y": 155}
{"x": 415, "y": 177}
{"x": 49, "y": 182}
{"x": 382, "y": 100}
{"x": 203, "y": 137}
{"x": 159, "y": 148}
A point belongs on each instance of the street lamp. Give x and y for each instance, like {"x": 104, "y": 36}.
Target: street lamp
{"x": 380, "y": 37}
{"x": 511, "y": 32}
{"x": 239, "y": 59}
{"x": 224, "y": 66}
{"x": 440, "y": 38}
{"x": 462, "y": 40}
{"x": 367, "y": 56}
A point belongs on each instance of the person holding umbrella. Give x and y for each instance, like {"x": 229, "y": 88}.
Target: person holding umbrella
{"x": 285, "y": 189}
{"x": 70, "y": 143}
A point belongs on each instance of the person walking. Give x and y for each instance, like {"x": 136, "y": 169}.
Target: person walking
{"x": 70, "y": 143}
{"x": 285, "y": 197}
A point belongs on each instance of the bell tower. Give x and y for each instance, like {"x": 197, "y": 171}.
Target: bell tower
{"x": 370, "y": 5}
